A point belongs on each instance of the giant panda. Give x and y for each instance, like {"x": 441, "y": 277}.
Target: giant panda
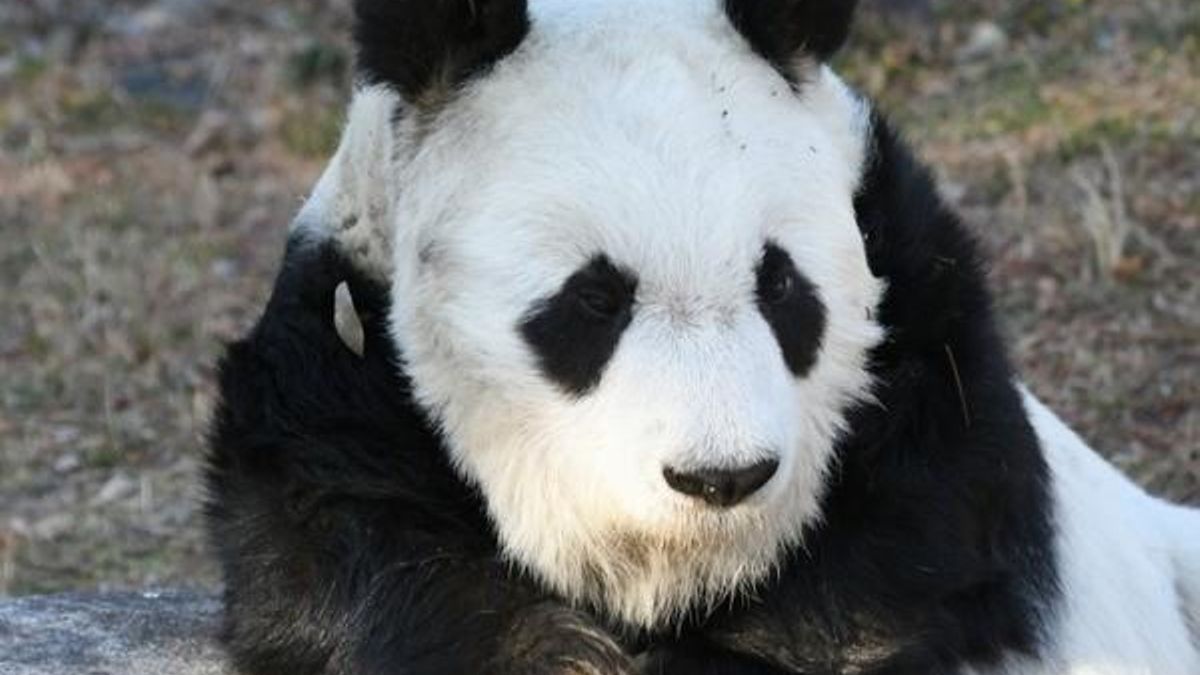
{"x": 622, "y": 337}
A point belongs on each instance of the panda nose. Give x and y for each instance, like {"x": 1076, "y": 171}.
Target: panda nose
{"x": 722, "y": 487}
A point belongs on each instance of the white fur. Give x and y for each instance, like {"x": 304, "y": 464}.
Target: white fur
{"x": 353, "y": 199}
{"x": 1129, "y": 566}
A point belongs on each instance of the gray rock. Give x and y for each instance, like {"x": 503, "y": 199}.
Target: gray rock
{"x": 987, "y": 39}
{"x": 149, "y": 633}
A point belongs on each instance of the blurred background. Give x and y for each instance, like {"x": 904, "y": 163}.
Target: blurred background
{"x": 152, "y": 153}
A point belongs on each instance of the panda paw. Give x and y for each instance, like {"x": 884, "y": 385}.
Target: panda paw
{"x": 551, "y": 639}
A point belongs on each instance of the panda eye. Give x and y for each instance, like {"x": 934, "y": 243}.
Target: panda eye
{"x": 776, "y": 287}
{"x": 776, "y": 277}
{"x": 601, "y": 290}
{"x": 600, "y": 301}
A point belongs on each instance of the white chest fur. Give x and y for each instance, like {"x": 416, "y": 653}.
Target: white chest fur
{"x": 1129, "y": 570}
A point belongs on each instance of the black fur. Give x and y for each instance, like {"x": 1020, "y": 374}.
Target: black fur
{"x": 575, "y": 332}
{"x": 420, "y": 45}
{"x": 791, "y": 307}
{"x": 779, "y": 30}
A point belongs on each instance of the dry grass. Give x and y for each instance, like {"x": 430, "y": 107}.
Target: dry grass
{"x": 148, "y": 170}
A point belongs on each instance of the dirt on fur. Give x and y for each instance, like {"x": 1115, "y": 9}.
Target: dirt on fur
{"x": 153, "y": 152}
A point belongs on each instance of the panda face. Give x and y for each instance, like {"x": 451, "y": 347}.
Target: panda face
{"x": 630, "y": 288}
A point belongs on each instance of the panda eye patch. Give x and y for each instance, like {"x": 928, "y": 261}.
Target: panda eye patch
{"x": 600, "y": 301}
{"x": 789, "y": 303}
{"x": 575, "y": 332}
{"x": 776, "y": 278}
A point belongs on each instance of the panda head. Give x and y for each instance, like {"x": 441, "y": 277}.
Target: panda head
{"x": 628, "y": 282}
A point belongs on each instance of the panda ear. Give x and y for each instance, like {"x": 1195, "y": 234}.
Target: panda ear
{"x": 420, "y": 47}
{"x": 782, "y": 30}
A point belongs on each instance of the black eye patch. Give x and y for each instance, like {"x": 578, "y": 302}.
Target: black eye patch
{"x": 575, "y": 332}
{"x": 789, "y": 303}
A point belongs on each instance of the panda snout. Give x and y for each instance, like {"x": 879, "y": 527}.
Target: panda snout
{"x": 722, "y": 487}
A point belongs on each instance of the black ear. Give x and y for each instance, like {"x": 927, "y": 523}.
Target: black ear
{"x": 421, "y": 45}
{"x": 781, "y": 30}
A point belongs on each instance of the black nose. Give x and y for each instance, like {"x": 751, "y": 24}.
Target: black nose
{"x": 722, "y": 487}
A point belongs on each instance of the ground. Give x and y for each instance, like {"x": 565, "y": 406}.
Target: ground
{"x": 153, "y": 152}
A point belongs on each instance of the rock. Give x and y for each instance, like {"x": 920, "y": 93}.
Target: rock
{"x": 119, "y": 487}
{"x": 66, "y": 463}
{"x": 987, "y": 39}
{"x": 148, "y": 633}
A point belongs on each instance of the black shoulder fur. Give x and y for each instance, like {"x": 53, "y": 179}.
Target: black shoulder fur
{"x": 349, "y": 546}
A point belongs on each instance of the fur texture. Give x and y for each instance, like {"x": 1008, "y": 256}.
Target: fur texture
{"x": 712, "y": 257}
{"x": 424, "y": 48}
{"x": 783, "y": 31}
